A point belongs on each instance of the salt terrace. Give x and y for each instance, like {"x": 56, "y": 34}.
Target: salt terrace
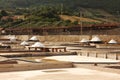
{"x": 91, "y": 62}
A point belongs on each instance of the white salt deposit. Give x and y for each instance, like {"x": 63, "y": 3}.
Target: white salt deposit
{"x": 38, "y": 44}
{"x": 12, "y": 38}
{"x": 34, "y": 38}
{"x": 24, "y": 43}
{"x": 38, "y": 60}
{"x": 112, "y": 41}
{"x": 84, "y": 41}
{"x": 96, "y": 39}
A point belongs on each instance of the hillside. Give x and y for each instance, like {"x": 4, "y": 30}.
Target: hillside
{"x": 109, "y": 5}
{"x": 49, "y": 16}
{"x": 54, "y": 13}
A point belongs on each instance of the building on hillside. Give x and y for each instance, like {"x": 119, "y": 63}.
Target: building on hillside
{"x": 16, "y": 17}
{"x": 19, "y": 17}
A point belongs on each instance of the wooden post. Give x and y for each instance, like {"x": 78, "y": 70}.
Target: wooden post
{"x": 56, "y": 49}
{"x": 60, "y": 50}
{"x": 96, "y": 55}
{"x": 116, "y": 56}
{"x": 95, "y": 64}
{"x": 79, "y": 53}
{"x": 106, "y": 56}
{"x": 52, "y": 49}
{"x": 88, "y": 54}
{"x": 29, "y": 48}
{"x": 65, "y": 49}
{"x": 35, "y": 49}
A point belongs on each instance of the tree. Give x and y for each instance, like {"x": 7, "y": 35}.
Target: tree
{"x": 3, "y": 13}
{"x": 75, "y": 22}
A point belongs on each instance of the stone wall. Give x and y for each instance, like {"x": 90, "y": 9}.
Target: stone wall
{"x": 64, "y": 38}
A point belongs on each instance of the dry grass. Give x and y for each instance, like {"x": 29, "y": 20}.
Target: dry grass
{"x": 75, "y": 18}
